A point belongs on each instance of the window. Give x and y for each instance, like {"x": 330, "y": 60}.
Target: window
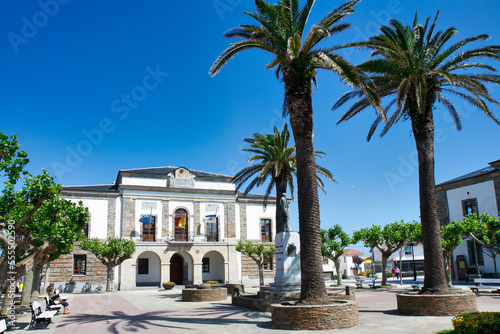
{"x": 181, "y": 225}
{"x": 148, "y": 230}
{"x": 469, "y": 207}
{"x": 408, "y": 250}
{"x": 213, "y": 230}
{"x": 143, "y": 266}
{"x": 472, "y": 247}
{"x": 268, "y": 265}
{"x": 86, "y": 230}
{"x": 325, "y": 260}
{"x": 265, "y": 229}
{"x": 205, "y": 265}
{"x": 79, "y": 264}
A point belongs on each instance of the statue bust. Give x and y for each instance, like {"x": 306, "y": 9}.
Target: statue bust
{"x": 285, "y": 213}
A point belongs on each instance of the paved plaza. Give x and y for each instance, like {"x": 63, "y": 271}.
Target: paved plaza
{"x": 162, "y": 311}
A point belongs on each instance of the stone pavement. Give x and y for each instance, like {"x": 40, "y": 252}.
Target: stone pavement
{"x": 162, "y": 311}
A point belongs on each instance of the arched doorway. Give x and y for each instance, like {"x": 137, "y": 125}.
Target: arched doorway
{"x": 177, "y": 269}
{"x": 148, "y": 270}
{"x": 213, "y": 267}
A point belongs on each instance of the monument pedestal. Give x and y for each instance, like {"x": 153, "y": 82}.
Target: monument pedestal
{"x": 287, "y": 280}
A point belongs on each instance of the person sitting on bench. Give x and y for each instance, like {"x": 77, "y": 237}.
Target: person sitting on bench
{"x": 56, "y": 299}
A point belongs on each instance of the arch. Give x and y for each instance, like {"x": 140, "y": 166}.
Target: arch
{"x": 177, "y": 269}
{"x": 213, "y": 267}
{"x": 147, "y": 269}
{"x": 181, "y": 224}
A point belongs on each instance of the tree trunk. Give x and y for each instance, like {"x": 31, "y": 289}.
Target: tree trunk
{"x": 27, "y": 284}
{"x": 435, "y": 280}
{"x": 109, "y": 278}
{"x": 280, "y": 189}
{"x": 384, "y": 269}
{"x": 299, "y": 100}
{"x": 36, "y": 282}
{"x": 337, "y": 268}
{"x": 8, "y": 300}
{"x": 260, "y": 264}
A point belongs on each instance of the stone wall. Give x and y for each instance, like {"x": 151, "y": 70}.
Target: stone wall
{"x": 164, "y": 228}
{"x": 243, "y": 221}
{"x": 250, "y": 270}
{"x": 61, "y": 270}
{"x": 128, "y": 218}
{"x": 231, "y": 220}
{"x": 204, "y": 295}
{"x": 340, "y": 314}
{"x": 436, "y": 305}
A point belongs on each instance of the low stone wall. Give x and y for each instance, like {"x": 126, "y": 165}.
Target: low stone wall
{"x": 253, "y": 302}
{"x": 436, "y": 305}
{"x": 339, "y": 314}
{"x": 204, "y": 295}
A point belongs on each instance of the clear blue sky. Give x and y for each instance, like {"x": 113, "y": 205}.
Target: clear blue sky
{"x": 134, "y": 77}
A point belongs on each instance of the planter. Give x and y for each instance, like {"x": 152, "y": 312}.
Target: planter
{"x": 338, "y": 314}
{"x": 204, "y": 295}
{"x": 168, "y": 286}
{"x": 436, "y": 305}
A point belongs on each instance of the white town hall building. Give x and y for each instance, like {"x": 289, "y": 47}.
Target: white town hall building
{"x": 197, "y": 220}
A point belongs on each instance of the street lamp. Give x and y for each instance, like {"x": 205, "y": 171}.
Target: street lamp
{"x": 411, "y": 244}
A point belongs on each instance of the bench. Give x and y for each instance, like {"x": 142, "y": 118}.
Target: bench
{"x": 51, "y": 306}
{"x": 489, "y": 288}
{"x": 39, "y": 317}
{"x": 416, "y": 284}
{"x": 3, "y": 326}
{"x": 360, "y": 281}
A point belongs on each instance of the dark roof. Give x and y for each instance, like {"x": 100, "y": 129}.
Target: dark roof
{"x": 169, "y": 169}
{"x": 482, "y": 171}
{"x": 95, "y": 187}
{"x": 241, "y": 194}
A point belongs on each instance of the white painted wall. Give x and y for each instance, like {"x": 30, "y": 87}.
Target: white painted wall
{"x": 254, "y": 214}
{"x": 143, "y": 181}
{"x": 214, "y": 185}
{"x": 98, "y": 210}
{"x": 154, "y": 268}
{"x": 486, "y": 200}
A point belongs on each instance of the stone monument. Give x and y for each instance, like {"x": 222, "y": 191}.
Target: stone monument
{"x": 287, "y": 244}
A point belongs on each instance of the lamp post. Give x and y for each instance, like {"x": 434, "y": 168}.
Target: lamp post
{"x": 411, "y": 244}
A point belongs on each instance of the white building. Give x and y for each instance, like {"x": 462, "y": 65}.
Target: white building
{"x": 197, "y": 219}
{"x": 477, "y": 192}
{"x": 347, "y": 265}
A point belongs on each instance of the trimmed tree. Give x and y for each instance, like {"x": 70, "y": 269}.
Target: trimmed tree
{"x": 451, "y": 238}
{"x": 387, "y": 239}
{"x": 111, "y": 252}
{"x": 260, "y": 253}
{"x": 333, "y": 242}
{"x": 54, "y": 229}
{"x": 485, "y": 230}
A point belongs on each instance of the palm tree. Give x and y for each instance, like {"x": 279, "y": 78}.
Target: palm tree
{"x": 277, "y": 163}
{"x": 280, "y": 33}
{"x": 413, "y": 68}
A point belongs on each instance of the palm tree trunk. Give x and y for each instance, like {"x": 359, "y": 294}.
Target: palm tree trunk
{"x": 435, "y": 280}
{"x": 299, "y": 101}
{"x": 280, "y": 189}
